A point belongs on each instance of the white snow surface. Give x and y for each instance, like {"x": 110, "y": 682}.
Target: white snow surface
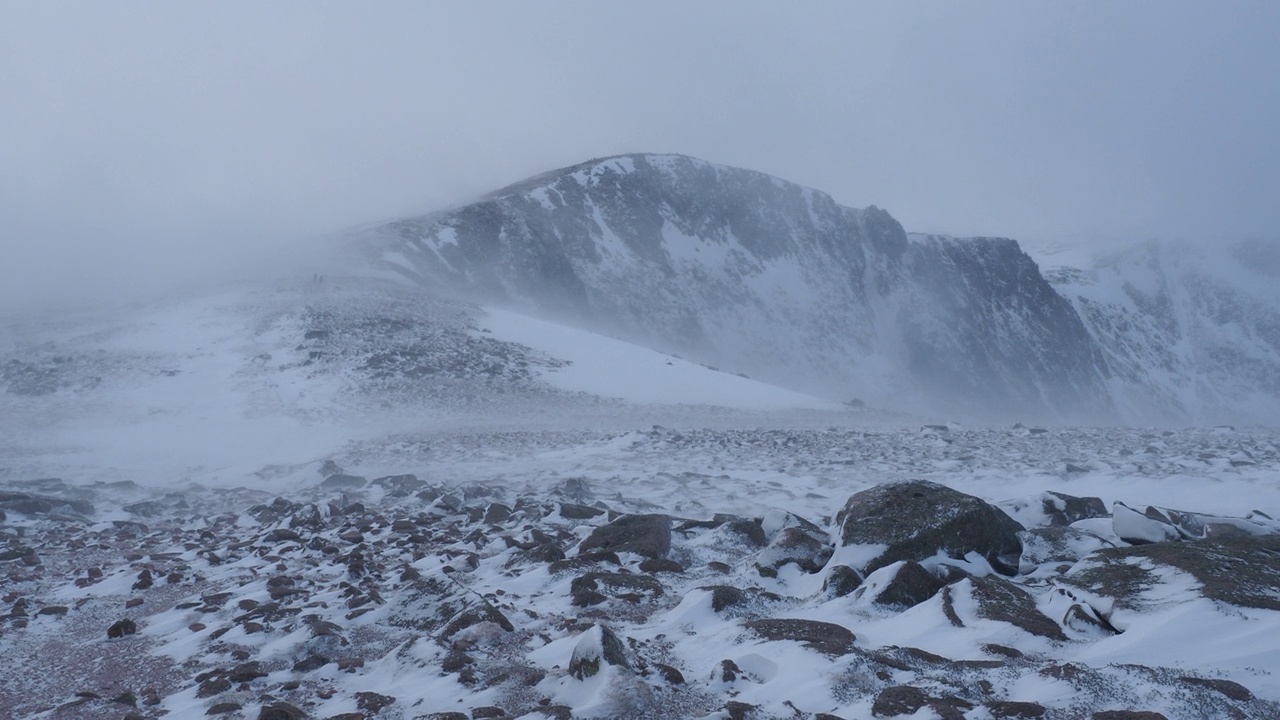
{"x": 217, "y": 392}
{"x": 616, "y": 369}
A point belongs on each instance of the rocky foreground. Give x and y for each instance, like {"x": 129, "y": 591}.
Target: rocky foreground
{"x": 398, "y": 598}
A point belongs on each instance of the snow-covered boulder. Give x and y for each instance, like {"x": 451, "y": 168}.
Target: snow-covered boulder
{"x": 917, "y": 520}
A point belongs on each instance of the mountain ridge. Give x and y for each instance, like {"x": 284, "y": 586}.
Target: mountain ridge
{"x": 746, "y": 271}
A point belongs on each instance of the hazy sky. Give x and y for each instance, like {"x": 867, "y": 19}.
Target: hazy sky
{"x": 182, "y": 140}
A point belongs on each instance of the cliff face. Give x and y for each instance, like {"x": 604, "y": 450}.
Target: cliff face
{"x": 753, "y": 274}
{"x": 1190, "y": 332}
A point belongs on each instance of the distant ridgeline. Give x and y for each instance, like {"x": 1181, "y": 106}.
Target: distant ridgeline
{"x": 752, "y": 274}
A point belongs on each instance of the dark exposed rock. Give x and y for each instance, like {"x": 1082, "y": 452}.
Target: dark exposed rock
{"x": 998, "y": 599}
{"x": 657, "y": 565}
{"x": 647, "y": 535}
{"x": 592, "y": 587}
{"x": 1233, "y": 690}
{"x": 748, "y": 531}
{"x": 738, "y": 710}
{"x": 917, "y": 519}
{"x": 246, "y": 672}
{"x": 342, "y": 481}
{"x": 1236, "y": 571}
{"x": 1128, "y": 715}
{"x": 281, "y": 535}
{"x": 213, "y": 686}
{"x": 122, "y": 628}
{"x": 670, "y": 674}
{"x": 572, "y": 511}
{"x": 598, "y": 644}
{"x": 899, "y": 700}
{"x": 487, "y": 711}
{"x": 310, "y": 662}
{"x": 911, "y": 585}
{"x": 797, "y": 545}
{"x": 479, "y": 613}
{"x": 725, "y": 596}
{"x": 841, "y": 580}
{"x": 281, "y": 711}
{"x": 826, "y": 638}
{"x": 373, "y": 702}
{"x": 584, "y": 560}
{"x": 1012, "y": 709}
{"x": 54, "y": 610}
{"x": 1063, "y": 509}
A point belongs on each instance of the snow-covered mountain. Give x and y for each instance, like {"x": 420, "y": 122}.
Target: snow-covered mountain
{"x": 1189, "y": 331}
{"x": 747, "y": 272}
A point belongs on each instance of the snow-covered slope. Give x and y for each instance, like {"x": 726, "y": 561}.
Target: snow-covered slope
{"x": 753, "y": 274}
{"x": 282, "y": 374}
{"x": 1190, "y": 332}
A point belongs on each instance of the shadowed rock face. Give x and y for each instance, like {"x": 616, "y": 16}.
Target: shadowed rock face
{"x": 917, "y": 519}
{"x": 753, "y": 274}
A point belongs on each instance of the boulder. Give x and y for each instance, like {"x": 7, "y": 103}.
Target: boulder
{"x": 595, "y": 587}
{"x": 1154, "y": 524}
{"x": 808, "y": 550}
{"x": 915, "y": 520}
{"x": 1013, "y": 709}
{"x": 597, "y": 645}
{"x": 841, "y": 580}
{"x": 1237, "y": 571}
{"x": 646, "y": 535}
{"x": 342, "y": 481}
{"x": 909, "y": 585}
{"x": 1000, "y": 600}
{"x": 281, "y": 711}
{"x": 826, "y": 638}
{"x": 373, "y": 702}
{"x": 1047, "y": 545}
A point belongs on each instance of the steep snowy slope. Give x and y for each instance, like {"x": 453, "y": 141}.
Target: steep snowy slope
{"x": 747, "y": 272}
{"x": 1191, "y": 332}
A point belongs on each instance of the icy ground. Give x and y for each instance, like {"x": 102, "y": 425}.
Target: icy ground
{"x": 349, "y": 503}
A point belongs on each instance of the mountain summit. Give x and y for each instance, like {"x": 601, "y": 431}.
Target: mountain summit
{"x": 756, "y": 275}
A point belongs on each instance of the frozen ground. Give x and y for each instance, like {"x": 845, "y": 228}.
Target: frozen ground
{"x": 215, "y": 459}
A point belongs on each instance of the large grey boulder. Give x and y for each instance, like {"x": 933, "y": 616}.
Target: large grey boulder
{"x": 647, "y": 535}
{"x": 916, "y": 520}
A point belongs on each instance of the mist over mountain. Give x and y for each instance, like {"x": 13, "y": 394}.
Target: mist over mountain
{"x": 756, "y": 275}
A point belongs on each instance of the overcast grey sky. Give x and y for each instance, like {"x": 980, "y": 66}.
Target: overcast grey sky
{"x": 179, "y": 140}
